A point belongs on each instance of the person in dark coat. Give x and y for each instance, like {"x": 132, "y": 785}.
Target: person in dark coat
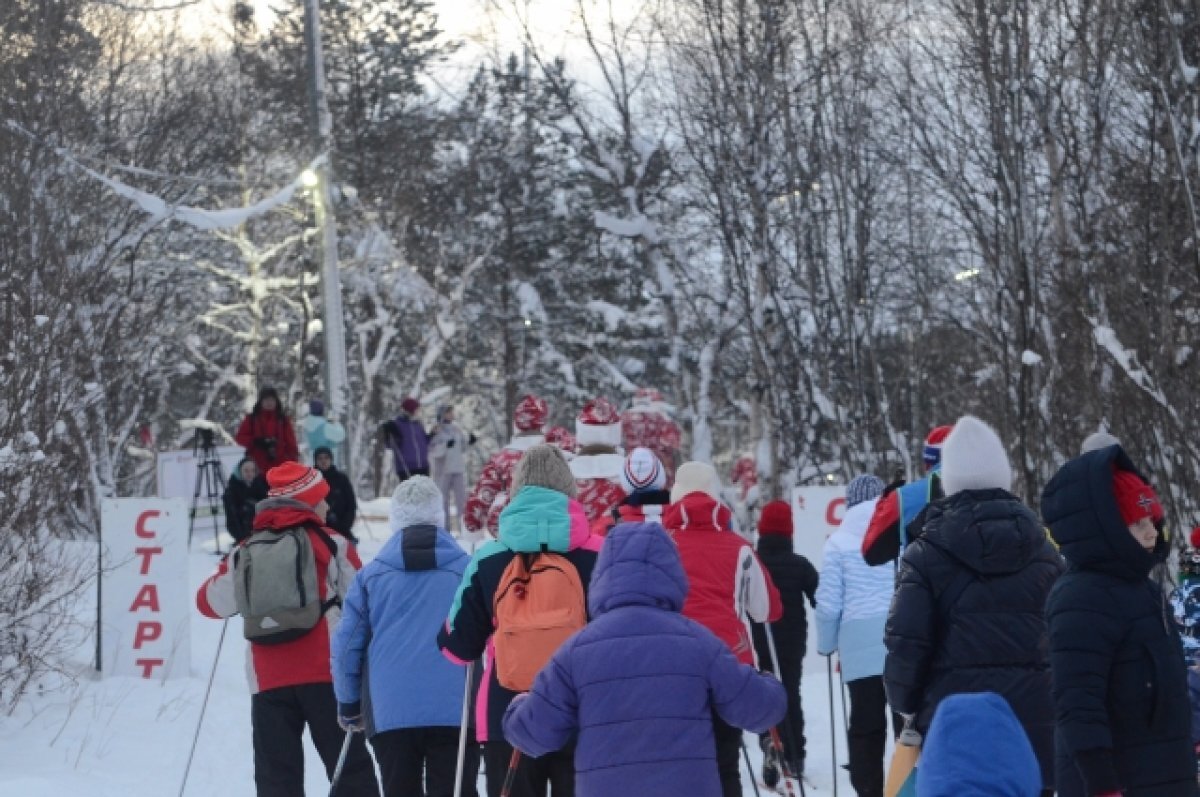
{"x": 635, "y": 689}
{"x": 1120, "y": 686}
{"x": 968, "y": 614}
{"x": 408, "y": 441}
{"x": 239, "y": 501}
{"x": 343, "y": 506}
{"x": 796, "y": 579}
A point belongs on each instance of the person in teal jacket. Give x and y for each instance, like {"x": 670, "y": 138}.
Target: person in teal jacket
{"x": 390, "y": 680}
{"x": 319, "y": 431}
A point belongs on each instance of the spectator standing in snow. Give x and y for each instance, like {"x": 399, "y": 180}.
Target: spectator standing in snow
{"x": 977, "y": 747}
{"x": 343, "y": 506}
{"x": 644, "y": 480}
{"x": 900, "y": 514}
{"x": 490, "y": 493}
{"x": 448, "y": 456}
{"x": 390, "y": 682}
{"x": 796, "y": 579}
{"x": 636, "y": 689}
{"x": 968, "y": 614}
{"x": 597, "y": 466}
{"x": 321, "y": 432}
{"x": 238, "y": 501}
{"x": 291, "y": 682}
{"x": 648, "y": 424}
{"x": 541, "y": 516}
{"x": 266, "y": 433}
{"x": 728, "y": 587}
{"x": 852, "y": 609}
{"x": 1120, "y": 684}
{"x": 408, "y": 441}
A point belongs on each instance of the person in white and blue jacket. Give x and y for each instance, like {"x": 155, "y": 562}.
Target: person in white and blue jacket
{"x": 852, "y": 609}
{"x": 391, "y": 681}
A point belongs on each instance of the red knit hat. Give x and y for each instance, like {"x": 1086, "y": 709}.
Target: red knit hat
{"x": 776, "y": 518}
{"x": 559, "y": 436}
{"x": 298, "y": 482}
{"x": 598, "y": 423}
{"x": 530, "y": 414}
{"x": 410, "y": 405}
{"x": 1135, "y": 498}
{"x": 1195, "y": 537}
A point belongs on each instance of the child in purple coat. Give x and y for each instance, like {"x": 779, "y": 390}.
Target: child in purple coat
{"x": 636, "y": 688}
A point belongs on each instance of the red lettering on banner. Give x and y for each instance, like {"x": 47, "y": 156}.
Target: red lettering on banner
{"x": 147, "y": 631}
{"x": 147, "y": 596}
{"x": 147, "y": 554}
{"x": 148, "y": 666}
{"x": 140, "y": 529}
{"x": 832, "y": 516}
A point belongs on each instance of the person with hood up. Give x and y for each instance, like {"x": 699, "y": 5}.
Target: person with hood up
{"x": 491, "y": 490}
{"x": 637, "y": 687}
{"x": 597, "y": 467}
{"x": 343, "y": 506}
{"x": 407, "y": 440}
{"x": 728, "y": 587}
{"x": 266, "y": 433}
{"x": 796, "y": 579}
{"x": 644, "y": 480}
{"x": 900, "y": 513}
{"x": 321, "y": 432}
{"x": 542, "y": 515}
{"x": 291, "y": 681}
{"x": 1120, "y": 686}
{"x": 969, "y": 610}
{"x": 852, "y": 609}
{"x": 448, "y": 456}
{"x": 390, "y": 682}
{"x": 239, "y": 501}
{"x": 977, "y": 748}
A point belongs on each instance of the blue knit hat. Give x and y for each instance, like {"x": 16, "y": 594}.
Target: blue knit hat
{"x": 863, "y": 488}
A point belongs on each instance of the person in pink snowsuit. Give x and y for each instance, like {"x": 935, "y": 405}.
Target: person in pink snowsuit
{"x": 490, "y": 493}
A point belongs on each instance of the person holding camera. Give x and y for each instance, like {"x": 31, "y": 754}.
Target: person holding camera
{"x": 448, "y": 458}
{"x": 267, "y": 434}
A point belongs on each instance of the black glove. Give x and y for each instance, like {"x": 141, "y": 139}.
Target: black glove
{"x": 451, "y": 443}
{"x": 891, "y": 488}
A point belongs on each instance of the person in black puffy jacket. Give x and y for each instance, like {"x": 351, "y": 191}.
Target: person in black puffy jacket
{"x": 968, "y": 614}
{"x": 1120, "y": 685}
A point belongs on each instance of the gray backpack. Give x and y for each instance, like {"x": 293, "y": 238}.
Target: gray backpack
{"x": 275, "y": 585}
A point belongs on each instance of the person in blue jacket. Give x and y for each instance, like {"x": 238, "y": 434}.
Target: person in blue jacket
{"x": 636, "y": 688}
{"x": 977, "y": 747}
{"x": 391, "y": 682}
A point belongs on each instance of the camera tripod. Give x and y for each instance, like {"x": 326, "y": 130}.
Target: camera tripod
{"x": 210, "y": 476}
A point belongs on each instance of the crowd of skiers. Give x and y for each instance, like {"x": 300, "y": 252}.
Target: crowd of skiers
{"x": 615, "y": 634}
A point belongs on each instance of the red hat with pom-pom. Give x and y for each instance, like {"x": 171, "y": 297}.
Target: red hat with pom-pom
{"x": 776, "y": 518}
{"x": 1135, "y": 498}
{"x": 598, "y": 424}
{"x": 298, "y": 482}
{"x": 530, "y": 414}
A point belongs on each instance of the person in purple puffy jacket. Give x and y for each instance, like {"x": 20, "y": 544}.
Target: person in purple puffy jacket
{"x": 636, "y": 688}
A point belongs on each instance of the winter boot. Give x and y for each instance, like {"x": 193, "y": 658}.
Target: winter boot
{"x": 770, "y": 770}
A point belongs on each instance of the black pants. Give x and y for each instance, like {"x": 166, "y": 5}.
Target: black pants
{"x": 554, "y": 771}
{"x": 729, "y": 751}
{"x": 791, "y": 730}
{"x": 278, "y": 717}
{"x": 424, "y": 761}
{"x": 868, "y": 734}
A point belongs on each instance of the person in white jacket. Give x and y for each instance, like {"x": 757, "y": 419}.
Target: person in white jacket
{"x": 852, "y": 608}
{"x": 448, "y": 462}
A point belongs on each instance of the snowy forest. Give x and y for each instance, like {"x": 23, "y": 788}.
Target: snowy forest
{"x": 818, "y": 227}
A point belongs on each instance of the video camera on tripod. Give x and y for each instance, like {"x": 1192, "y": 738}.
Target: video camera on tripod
{"x": 210, "y": 476}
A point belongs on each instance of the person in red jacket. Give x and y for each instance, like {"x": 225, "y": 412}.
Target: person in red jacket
{"x": 900, "y": 514}
{"x": 597, "y": 466}
{"x": 490, "y": 494}
{"x": 267, "y": 434}
{"x": 291, "y": 684}
{"x": 727, "y": 586}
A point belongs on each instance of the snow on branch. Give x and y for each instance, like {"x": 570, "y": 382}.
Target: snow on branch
{"x": 1106, "y": 337}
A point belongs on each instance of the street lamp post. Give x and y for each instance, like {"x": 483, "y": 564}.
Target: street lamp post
{"x": 337, "y": 376}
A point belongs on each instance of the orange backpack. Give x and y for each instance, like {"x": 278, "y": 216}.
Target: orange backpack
{"x": 538, "y": 604}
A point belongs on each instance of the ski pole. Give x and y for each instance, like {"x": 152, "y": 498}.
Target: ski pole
{"x": 370, "y": 530}
{"x": 203, "y": 707}
{"x": 462, "y": 734}
{"x": 749, "y": 768}
{"x": 510, "y": 777}
{"x": 845, "y": 716}
{"x": 337, "y": 772}
{"x": 832, "y": 725}
{"x": 775, "y": 738}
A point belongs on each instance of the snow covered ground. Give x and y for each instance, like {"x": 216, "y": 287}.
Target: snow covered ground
{"x": 126, "y": 737}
